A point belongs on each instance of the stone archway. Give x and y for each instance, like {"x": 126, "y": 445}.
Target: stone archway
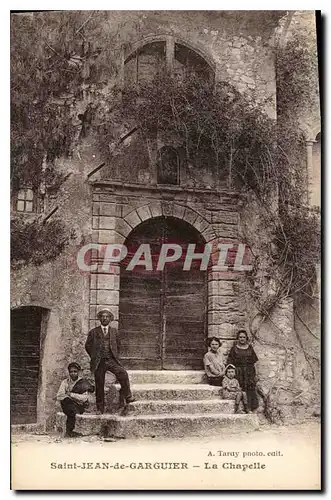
{"x": 166, "y": 209}
{"x": 163, "y": 313}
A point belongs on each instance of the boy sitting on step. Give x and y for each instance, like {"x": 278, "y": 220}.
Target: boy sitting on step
{"x": 232, "y": 389}
{"x": 73, "y": 396}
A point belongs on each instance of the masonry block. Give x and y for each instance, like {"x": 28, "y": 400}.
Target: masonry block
{"x": 156, "y": 209}
{"x": 110, "y": 297}
{"x": 223, "y": 302}
{"x": 93, "y": 297}
{"x": 221, "y": 287}
{"x": 144, "y": 212}
{"x": 110, "y": 236}
{"x": 190, "y": 216}
{"x": 200, "y": 224}
{"x": 221, "y": 317}
{"x": 93, "y": 281}
{"x": 226, "y": 230}
{"x": 228, "y": 330}
{"x": 209, "y": 234}
{"x": 167, "y": 208}
{"x": 107, "y": 282}
{"x": 95, "y": 236}
{"x": 132, "y": 219}
{"x": 122, "y": 227}
{"x": 95, "y": 222}
{"x": 108, "y": 209}
{"x": 95, "y": 208}
{"x": 106, "y": 222}
{"x": 178, "y": 211}
{"x": 108, "y": 269}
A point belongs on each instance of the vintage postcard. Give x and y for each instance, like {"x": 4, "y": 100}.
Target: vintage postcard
{"x": 165, "y": 250}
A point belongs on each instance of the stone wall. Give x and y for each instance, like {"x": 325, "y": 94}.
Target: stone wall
{"x": 288, "y": 342}
{"x": 241, "y": 49}
{"x": 60, "y": 287}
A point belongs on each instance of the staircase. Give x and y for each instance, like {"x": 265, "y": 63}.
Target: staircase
{"x": 173, "y": 404}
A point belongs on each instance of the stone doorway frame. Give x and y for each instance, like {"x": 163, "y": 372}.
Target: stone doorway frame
{"x": 119, "y": 207}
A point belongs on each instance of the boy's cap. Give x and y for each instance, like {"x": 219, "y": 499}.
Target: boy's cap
{"x": 74, "y": 365}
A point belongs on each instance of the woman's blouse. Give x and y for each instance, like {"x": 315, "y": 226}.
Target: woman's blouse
{"x": 213, "y": 363}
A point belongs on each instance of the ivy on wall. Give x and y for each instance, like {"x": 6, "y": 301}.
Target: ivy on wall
{"x": 221, "y": 128}
{"x": 35, "y": 243}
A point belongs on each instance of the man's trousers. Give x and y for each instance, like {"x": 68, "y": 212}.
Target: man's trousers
{"x": 120, "y": 373}
{"x": 71, "y": 408}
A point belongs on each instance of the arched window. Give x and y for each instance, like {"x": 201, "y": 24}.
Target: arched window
{"x": 187, "y": 62}
{"x": 154, "y": 58}
{"x": 146, "y": 63}
{"x": 167, "y": 165}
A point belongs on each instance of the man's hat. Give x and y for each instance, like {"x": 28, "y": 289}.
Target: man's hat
{"x": 105, "y": 310}
{"x": 74, "y": 365}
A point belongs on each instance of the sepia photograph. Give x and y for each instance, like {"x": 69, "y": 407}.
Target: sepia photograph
{"x": 165, "y": 227}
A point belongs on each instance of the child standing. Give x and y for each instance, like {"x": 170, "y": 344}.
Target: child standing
{"x": 213, "y": 362}
{"x": 232, "y": 390}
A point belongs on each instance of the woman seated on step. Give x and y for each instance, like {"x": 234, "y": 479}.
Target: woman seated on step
{"x": 213, "y": 362}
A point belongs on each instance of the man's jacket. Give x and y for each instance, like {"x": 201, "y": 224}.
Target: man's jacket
{"x": 95, "y": 346}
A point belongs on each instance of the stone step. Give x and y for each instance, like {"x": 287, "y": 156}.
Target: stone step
{"x": 160, "y": 407}
{"x": 160, "y": 392}
{"x": 167, "y": 376}
{"x": 37, "y": 428}
{"x": 169, "y": 392}
{"x": 167, "y": 425}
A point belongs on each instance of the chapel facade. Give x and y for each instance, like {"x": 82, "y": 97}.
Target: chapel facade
{"x": 163, "y": 317}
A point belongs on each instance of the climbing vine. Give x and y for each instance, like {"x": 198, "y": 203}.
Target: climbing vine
{"x": 34, "y": 242}
{"x": 220, "y": 128}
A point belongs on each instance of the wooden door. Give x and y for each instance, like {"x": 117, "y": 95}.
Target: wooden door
{"x": 184, "y": 318}
{"x": 140, "y": 303}
{"x": 25, "y": 361}
{"x": 162, "y": 313}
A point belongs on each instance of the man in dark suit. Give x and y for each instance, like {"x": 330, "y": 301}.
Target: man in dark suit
{"x": 101, "y": 346}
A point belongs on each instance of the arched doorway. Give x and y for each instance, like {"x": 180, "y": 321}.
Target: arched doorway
{"x": 25, "y": 349}
{"x": 162, "y": 314}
